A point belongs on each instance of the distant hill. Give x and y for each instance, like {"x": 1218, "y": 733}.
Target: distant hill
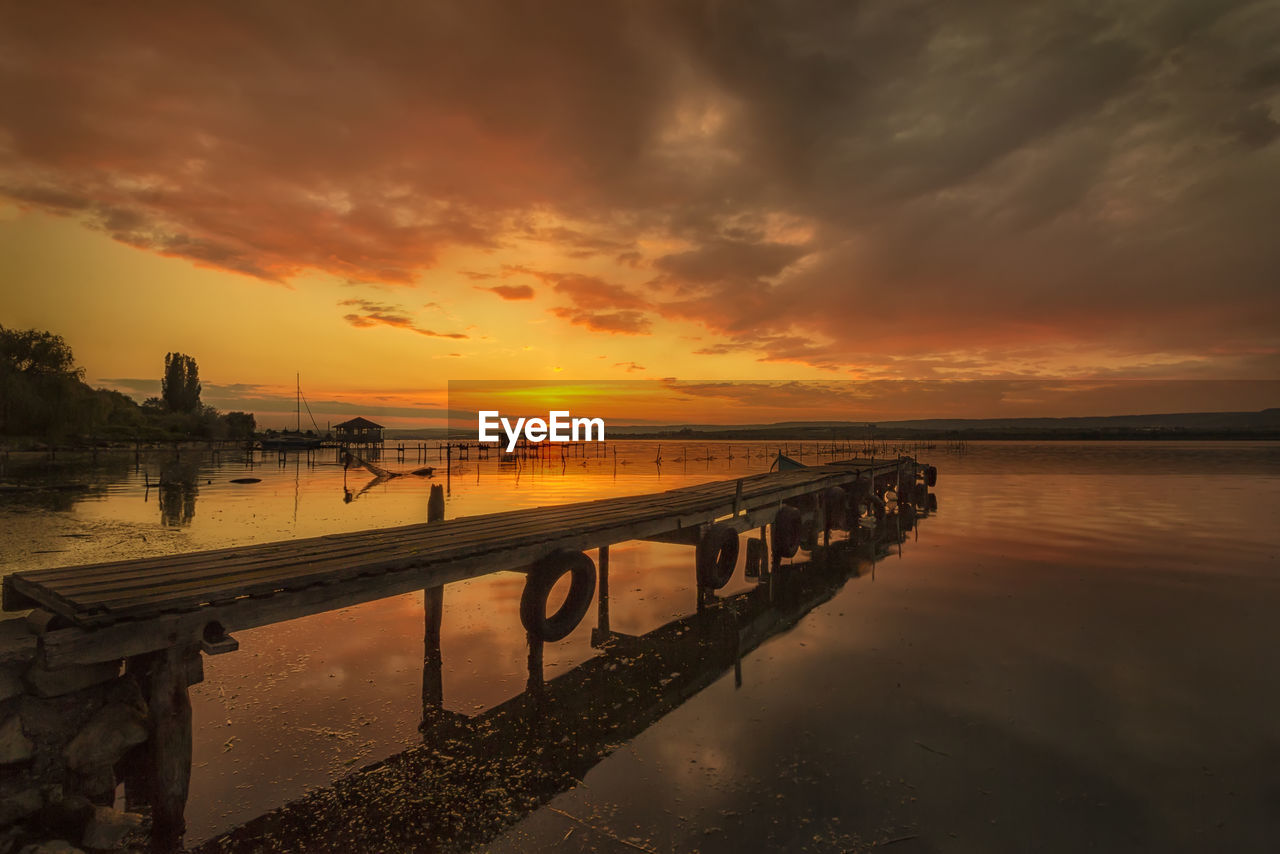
{"x": 1261, "y": 424}
{"x": 1264, "y": 424}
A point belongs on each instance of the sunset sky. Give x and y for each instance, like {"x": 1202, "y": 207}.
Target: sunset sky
{"x": 385, "y": 197}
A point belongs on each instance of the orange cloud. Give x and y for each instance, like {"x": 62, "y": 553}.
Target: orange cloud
{"x": 620, "y": 322}
{"x": 374, "y": 314}
{"x": 510, "y": 292}
{"x": 786, "y": 201}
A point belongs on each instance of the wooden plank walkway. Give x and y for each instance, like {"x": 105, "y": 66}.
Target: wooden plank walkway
{"x": 127, "y": 607}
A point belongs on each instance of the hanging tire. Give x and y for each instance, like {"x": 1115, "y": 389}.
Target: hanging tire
{"x": 835, "y": 503}
{"x": 931, "y": 503}
{"x": 931, "y": 475}
{"x": 537, "y": 590}
{"x": 787, "y": 531}
{"x": 717, "y": 556}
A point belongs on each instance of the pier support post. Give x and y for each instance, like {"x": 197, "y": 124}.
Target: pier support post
{"x": 432, "y": 660}
{"x": 433, "y": 614}
{"x": 169, "y": 748}
{"x": 435, "y": 504}
{"x": 602, "y": 600}
{"x": 537, "y": 683}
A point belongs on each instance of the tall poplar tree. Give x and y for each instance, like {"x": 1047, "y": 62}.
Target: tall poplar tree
{"x": 181, "y": 384}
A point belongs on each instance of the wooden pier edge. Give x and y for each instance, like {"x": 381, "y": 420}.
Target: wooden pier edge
{"x": 725, "y": 503}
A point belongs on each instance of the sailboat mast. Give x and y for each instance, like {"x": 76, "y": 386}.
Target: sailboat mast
{"x": 298, "y": 401}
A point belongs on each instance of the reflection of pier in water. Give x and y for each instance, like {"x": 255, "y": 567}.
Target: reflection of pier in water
{"x": 158, "y": 615}
{"x": 475, "y": 776}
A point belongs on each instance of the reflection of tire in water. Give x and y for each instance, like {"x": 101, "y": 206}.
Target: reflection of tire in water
{"x": 786, "y": 531}
{"x": 717, "y": 556}
{"x": 537, "y": 590}
{"x": 835, "y": 503}
{"x": 757, "y": 557}
{"x": 931, "y": 503}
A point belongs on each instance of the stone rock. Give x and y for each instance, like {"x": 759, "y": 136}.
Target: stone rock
{"x": 56, "y": 720}
{"x": 55, "y": 846}
{"x": 10, "y": 682}
{"x": 14, "y": 744}
{"x": 97, "y": 783}
{"x": 109, "y": 827}
{"x": 44, "y": 682}
{"x": 9, "y": 838}
{"x": 106, "y": 737}
{"x": 125, "y": 691}
{"x": 20, "y": 805}
{"x": 17, "y": 644}
{"x": 66, "y": 816}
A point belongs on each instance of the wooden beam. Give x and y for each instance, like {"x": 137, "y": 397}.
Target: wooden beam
{"x": 169, "y": 749}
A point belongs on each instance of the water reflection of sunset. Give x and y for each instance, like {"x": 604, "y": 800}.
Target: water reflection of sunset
{"x": 307, "y": 701}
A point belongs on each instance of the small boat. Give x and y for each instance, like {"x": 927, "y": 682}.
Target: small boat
{"x": 294, "y": 440}
{"x": 785, "y": 463}
{"x": 290, "y": 440}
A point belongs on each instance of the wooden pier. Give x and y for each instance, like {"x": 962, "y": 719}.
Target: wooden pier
{"x": 115, "y": 610}
{"x": 158, "y": 615}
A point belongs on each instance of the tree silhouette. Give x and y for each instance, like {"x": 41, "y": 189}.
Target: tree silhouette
{"x": 37, "y": 353}
{"x": 181, "y": 384}
{"x": 40, "y": 385}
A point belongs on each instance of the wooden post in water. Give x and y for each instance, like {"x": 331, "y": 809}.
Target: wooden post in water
{"x": 169, "y": 748}
{"x": 433, "y": 612}
{"x": 602, "y": 600}
{"x": 537, "y": 683}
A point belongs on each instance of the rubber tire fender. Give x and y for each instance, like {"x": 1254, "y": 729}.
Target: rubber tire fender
{"x": 787, "y": 531}
{"x": 931, "y": 476}
{"x": 537, "y": 590}
{"x": 717, "y": 556}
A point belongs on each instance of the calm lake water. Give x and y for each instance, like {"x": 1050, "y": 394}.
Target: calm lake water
{"x": 1078, "y": 651}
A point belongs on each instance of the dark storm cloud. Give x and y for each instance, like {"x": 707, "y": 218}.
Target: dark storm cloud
{"x": 850, "y": 184}
{"x": 729, "y": 259}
